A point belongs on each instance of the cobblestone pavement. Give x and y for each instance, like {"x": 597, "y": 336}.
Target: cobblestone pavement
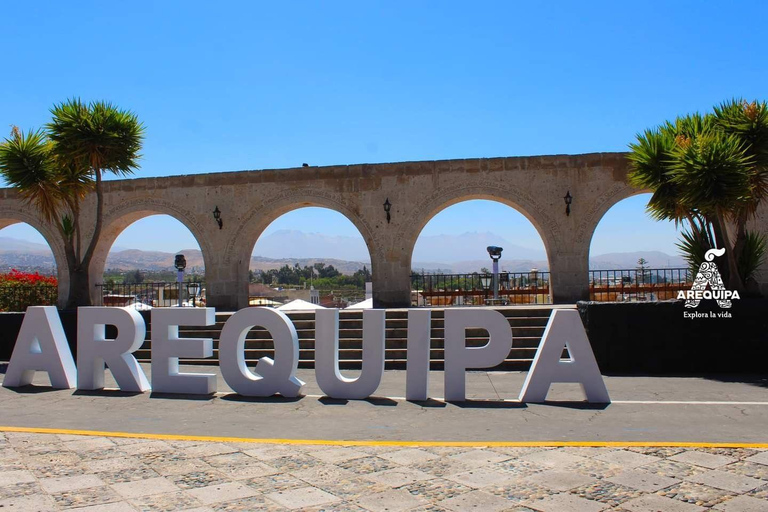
{"x": 41, "y": 472}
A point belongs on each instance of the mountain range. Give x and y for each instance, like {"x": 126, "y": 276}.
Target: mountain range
{"x": 457, "y": 254}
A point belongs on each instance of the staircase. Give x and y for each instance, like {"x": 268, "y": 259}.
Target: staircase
{"x": 527, "y": 323}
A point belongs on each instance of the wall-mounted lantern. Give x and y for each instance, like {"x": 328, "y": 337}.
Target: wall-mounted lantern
{"x": 568, "y": 200}
{"x": 217, "y": 217}
{"x": 387, "y": 208}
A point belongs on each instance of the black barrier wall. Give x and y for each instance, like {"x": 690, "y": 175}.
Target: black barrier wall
{"x": 668, "y": 338}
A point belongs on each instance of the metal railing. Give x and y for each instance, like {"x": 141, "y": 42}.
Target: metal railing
{"x": 477, "y": 289}
{"x": 18, "y": 298}
{"x": 148, "y": 295}
{"x": 638, "y": 284}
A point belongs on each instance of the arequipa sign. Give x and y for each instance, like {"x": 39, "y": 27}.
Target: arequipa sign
{"x": 42, "y": 346}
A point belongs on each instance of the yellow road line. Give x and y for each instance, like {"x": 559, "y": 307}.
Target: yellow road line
{"x": 333, "y": 442}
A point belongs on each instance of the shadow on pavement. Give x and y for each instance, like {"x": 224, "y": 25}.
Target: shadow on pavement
{"x": 488, "y": 404}
{"x": 173, "y": 396}
{"x": 107, "y": 392}
{"x": 234, "y": 397}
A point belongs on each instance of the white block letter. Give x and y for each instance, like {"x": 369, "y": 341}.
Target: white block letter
{"x": 278, "y": 376}
{"x": 564, "y": 330}
{"x": 41, "y": 346}
{"x": 167, "y": 348}
{"x": 94, "y": 349}
{"x": 329, "y": 378}
{"x": 459, "y": 357}
{"x": 417, "y": 365}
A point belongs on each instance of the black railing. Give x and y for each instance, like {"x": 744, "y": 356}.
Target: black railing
{"x": 150, "y": 295}
{"x": 18, "y": 298}
{"x": 638, "y": 284}
{"x": 477, "y": 289}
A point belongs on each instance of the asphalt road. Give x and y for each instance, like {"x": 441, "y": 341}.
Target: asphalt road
{"x": 644, "y": 409}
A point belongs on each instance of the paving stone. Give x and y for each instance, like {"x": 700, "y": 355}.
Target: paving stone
{"x": 759, "y": 458}
{"x": 258, "y": 502}
{"x": 70, "y": 483}
{"x": 437, "y": 488}
{"x": 142, "y": 448}
{"x": 208, "y": 449}
{"x": 399, "y": 476}
{"x": 475, "y": 500}
{"x": 517, "y": 468}
{"x": 655, "y": 503}
{"x": 335, "y": 455}
{"x": 606, "y": 492}
{"x": 127, "y": 475}
{"x": 38, "y": 503}
{"x": 742, "y": 504}
{"x": 643, "y": 481}
{"x": 657, "y": 451}
{"x": 120, "y": 506}
{"x": 147, "y": 487}
{"x": 480, "y": 477}
{"x": 726, "y": 481}
{"x": 180, "y": 467}
{"x": 698, "y": 494}
{"x": 269, "y": 451}
{"x": 390, "y": 501}
{"x": 21, "y": 489}
{"x": 552, "y": 458}
{"x": 227, "y": 460}
{"x": 91, "y": 496}
{"x": 244, "y": 471}
{"x": 367, "y": 465}
{"x": 442, "y": 467}
{"x": 198, "y": 479}
{"x": 746, "y": 468}
{"x": 479, "y": 457}
{"x": 272, "y": 483}
{"x": 566, "y": 503}
{"x": 519, "y": 491}
{"x": 223, "y": 492}
{"x": 409, "y": 456}
{"x": 673, "y": 469}
{"x": 703, "y": 459}
{"x": 116, "y": 464}
{"x": 15, "y": 477}
{"x": 88, "y": 444}
{"x": 559, "y": 480}
{"x": 626, "y": 458}
{"x": 302, "y": 497}
{"x": 167, "y": 502}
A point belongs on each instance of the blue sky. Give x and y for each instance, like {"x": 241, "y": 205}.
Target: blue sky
{"x": 254, "y": 85}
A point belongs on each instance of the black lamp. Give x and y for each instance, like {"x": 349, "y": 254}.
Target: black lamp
{"x": 387, "y": 208}
{"x": 217, "y": 216}
{"x": 568, "y": 200}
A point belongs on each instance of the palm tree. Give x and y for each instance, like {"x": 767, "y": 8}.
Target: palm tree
{"x": 56, "y": 168}
{"x": 706, "y": 171}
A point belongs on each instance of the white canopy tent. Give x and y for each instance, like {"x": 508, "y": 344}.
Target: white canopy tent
{"x": 299, "y": 305}
{"x": 366, "y": 304}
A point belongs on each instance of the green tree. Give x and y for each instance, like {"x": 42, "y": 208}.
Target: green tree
{"x": 706, "y": 172}
{"x": 55, "y": 168}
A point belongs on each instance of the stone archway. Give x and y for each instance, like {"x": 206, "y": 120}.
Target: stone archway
{"x": 253, "y": 224}
{"x": 123, "y": 215}
{"x": 10, "y": 216}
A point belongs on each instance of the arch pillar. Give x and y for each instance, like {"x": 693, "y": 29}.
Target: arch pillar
{"x": 391, "y": 273}
{"x": 569, "y": 276}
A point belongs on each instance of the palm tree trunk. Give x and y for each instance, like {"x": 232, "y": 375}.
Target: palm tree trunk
{"x": 733, "y": 278}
